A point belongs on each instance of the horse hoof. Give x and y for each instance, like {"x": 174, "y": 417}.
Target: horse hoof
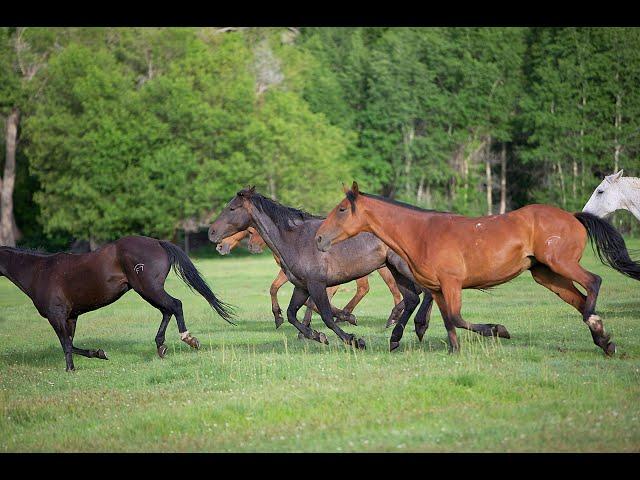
{"x": 100, "y": 354}
{"x": 393, "y": 345}
{"x": 420, "y": 331}
{"x": 351, "y": 318}
{"x": 610, "y": 350}
{"x": 162, "y": 351}
{"x": 391, "y": 322}
{"x": 357, "y": 343}
{"x": 500, "y": 331}
{"x": 301, "y": 336}
{"x": 279, "y": 321}
{"x": 322, "y": 338}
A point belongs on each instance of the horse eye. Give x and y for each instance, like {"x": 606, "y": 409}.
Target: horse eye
{"x": 600, "y": 191}
{"x": 342, "y": 209}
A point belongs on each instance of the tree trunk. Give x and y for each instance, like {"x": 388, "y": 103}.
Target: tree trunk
{"x": 408, "y": 134}
{"x": 489, "y": 186}
{"x": 272, "y": 186}
{"x": 618, "y": 125}
{"x": 503, "y": 179}
{"x": 564, "y": 197}
{"x": 7, "y": 222}
{"x": 420, "y": 193}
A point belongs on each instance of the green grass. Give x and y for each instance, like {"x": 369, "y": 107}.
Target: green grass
{"x": 254, "y": 388}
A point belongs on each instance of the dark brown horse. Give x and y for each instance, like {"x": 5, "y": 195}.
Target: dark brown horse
{"x": 256, "y": 244}
{"x": 448, "y": 252}
{"x": 290, "y": 232}
{"x": 63, "y": 286}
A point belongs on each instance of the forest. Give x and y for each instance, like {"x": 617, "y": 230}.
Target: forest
{"x": 150, "y": 131}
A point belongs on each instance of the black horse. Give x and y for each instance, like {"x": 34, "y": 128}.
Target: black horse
{"x": 63, "y": 286}
{"x": 289, "y": 233}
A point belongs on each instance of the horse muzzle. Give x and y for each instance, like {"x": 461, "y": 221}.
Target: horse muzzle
{"x": 223, "y": 248}
{"x": 323, "y": 243}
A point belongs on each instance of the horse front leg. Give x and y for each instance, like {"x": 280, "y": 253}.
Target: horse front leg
{"x": 58, "y": 321}
{"x": 318, "y": 293}
{"x": 298, "y": 299}
{"x": 423, "y": 315}
{"x": 411, "y": 301}
{"x": 71, "y": 329}
{"x": 452, "y": 294}
{"x": 362, "y": 289}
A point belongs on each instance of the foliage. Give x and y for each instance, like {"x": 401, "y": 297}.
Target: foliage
{"x": 143, "y": 130}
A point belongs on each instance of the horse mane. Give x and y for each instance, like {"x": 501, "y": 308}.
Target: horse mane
{"x": 28, "y": 251}
{"x": 352, "y": 197}
{"x": 283, "y": 216}
{"x": 633, "y": 181}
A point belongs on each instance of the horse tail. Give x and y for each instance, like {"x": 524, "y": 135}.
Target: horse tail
{"x": 609, "y": 244}
{"x": 186, "y": 270}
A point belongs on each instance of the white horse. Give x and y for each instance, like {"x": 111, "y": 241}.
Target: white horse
{"x": 615, "y": 192}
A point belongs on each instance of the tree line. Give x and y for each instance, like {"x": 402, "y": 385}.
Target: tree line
{"x": 116, "y": 131}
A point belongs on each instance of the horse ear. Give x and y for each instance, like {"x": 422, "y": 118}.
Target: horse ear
{"x": 252, "y": 189}
{"x": 354, "y": 188}
{"x": 614, "y": 176}
{"x": 345, "y": 189}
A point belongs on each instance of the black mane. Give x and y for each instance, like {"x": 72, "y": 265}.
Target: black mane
{"x": 284, "y": 217}
{"x": 351, "y": 197}
{"x": 28, "y": 251}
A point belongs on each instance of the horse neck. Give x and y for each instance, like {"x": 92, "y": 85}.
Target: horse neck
{"x": 631, "y": 193}
{"x": 269, "y": 231}
{"x": 18, "y": 267}
{"x": 393, "y": 224}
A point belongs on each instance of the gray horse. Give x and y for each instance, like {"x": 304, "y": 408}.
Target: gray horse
{"x": 290, "y": 233}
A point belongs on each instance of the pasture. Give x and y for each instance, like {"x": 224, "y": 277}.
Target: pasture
{"x": 254, "y": 388}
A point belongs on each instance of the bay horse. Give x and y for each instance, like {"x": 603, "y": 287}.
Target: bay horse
{"x": 290, "y": 232}
{"x": 448, "y": 252}
{"x": 256, "y": 245}
{"x": 63, "y": 286}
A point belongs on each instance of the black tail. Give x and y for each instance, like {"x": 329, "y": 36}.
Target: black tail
{"x": 187, "y": 271}
{"x": 609, "y": 244}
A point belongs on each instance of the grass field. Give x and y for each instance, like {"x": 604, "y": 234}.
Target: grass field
{"x": 254, "y": 388}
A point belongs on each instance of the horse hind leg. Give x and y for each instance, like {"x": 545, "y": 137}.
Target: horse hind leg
{"x": 280, "y": 280}
{"x": 160, "y": 336}
{"x": 318, "y": 293}
{"x": 168, "y": 305}
{"x": 573, "y": 272}
{"x": 454, "y": 345}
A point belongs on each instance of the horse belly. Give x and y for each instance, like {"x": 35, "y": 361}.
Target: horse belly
{"x": 496, "y": 268}
{"x": 94, "y": 285}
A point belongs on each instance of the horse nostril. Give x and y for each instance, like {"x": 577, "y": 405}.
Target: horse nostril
{"x": 319, "y": 239}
